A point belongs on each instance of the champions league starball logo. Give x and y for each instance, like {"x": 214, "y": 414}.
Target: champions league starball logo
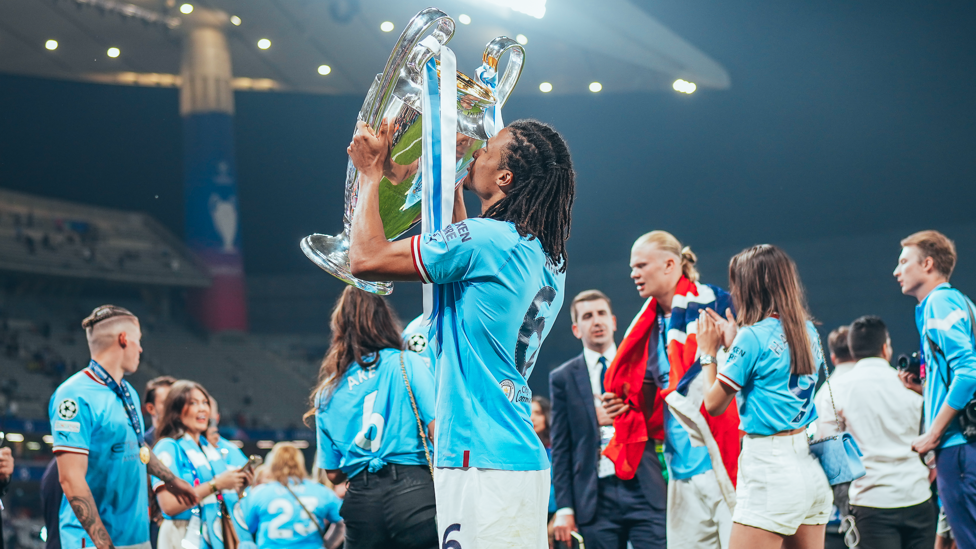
{"x": 417, "y": 343}
{"x": 67, "y": 409}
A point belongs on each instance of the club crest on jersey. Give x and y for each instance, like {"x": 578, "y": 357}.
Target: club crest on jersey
{"x": 67, "y": 409}
{"x": 417, "y": 343}
{"x": 508, "y": 388}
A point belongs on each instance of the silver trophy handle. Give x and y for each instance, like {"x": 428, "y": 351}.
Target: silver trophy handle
{"x": 493, "y": 53}
{"x": 409, "y": 38}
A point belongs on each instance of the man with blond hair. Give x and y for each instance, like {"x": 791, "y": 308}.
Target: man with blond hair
{"x": 99, "y": 442}
{"x": 945, "y": 320}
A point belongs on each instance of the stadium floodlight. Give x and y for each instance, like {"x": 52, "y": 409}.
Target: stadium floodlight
{"x": 51, "y": 45}
{"x": 264, "y": 43}
{"x": 186, "y": 9}
{"x": 324, "y": 69}
{"x": 235, "y": 20}
{"x": 521, "y": 39}
{"x": 535, "y": 8}
{"x": 595, "y": 87}
{"x": 114, "y": 52}
{"x": 464, "y": 19}
{"x": 684, "y": 86}
{"x": 545, "y": 87}
{"x": 386, "y": 26}
{"x": 15, "y": 437}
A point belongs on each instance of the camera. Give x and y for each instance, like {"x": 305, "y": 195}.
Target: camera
{"x": 910, "y": 363}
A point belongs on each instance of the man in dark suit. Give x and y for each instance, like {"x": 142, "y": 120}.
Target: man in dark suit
{"x": 590, "y": 499}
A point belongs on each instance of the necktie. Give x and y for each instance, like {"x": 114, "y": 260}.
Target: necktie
{"x": 603, "y": 372}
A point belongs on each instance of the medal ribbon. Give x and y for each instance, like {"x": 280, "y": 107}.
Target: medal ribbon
{"x": 493, "y": 116}
{"x": 122, "y": 392}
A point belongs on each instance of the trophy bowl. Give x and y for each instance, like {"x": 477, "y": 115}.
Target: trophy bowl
{"x": 396, "y": 95}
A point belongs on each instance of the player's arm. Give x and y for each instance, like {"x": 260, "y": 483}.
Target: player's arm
{"x": 72, "y": 468}
{"x": 179, "y": 490}
{"x": 719, "y": 393}
{"x": 371, "y": 255}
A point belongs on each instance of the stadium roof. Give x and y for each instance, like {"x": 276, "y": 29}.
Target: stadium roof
{"x": 57, "y": 238}
{"x": 573, "y": 44}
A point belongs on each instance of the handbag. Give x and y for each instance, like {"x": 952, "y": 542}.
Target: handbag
{"x": 416, "y": 414}
{"x": 838, "y": 454}
{"x": 231, "y": 540}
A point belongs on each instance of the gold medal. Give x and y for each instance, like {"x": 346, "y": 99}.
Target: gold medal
{"x": 144, "y": 455}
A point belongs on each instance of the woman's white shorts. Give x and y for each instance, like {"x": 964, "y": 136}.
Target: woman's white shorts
{"x": 781, "y": 485}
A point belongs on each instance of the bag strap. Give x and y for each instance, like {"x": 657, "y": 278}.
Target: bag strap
{"x": 938, "y": 350}
{"x": 302, "y": 505}
{"x": 416, "y": 414}
{"x": 840, "y": 422}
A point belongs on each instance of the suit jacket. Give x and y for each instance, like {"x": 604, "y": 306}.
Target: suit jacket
{"x": 576, "y": 446}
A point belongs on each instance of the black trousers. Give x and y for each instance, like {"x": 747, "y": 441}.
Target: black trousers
{"x": 391, "y": 508}
{"x": 622, "y": 515}
{"x": 902, "y": 527}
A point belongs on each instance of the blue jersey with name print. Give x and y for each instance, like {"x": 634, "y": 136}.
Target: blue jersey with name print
{"x": 499, "y": 295}
{"x": 278, "y": 519}
{"x": 771, "y": 398}
{"x": 184, "y": 457}
{"x": 88, "y": 418}
{"x": 684, "y": 460}
{"x": 367, "y": 419}
{"x": 943, "y": 318}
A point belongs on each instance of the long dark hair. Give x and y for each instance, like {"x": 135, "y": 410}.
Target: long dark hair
{"x": 546, "y": 408}
{"x": 362, "y": 323}
{"x": 540, "y": 199}
{"x": 764, "y": 282}
{"x": 171, "y": 424}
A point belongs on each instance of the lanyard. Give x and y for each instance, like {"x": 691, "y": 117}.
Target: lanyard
{"x": 123, "y": 393}
{"x": 193, "y": 468}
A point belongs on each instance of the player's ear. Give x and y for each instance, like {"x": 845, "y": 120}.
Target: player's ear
{"x": 504, "y": 180}
{"x": 123, "y": 340}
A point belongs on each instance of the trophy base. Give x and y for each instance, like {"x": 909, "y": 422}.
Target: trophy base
{"x": 330, "y": 253}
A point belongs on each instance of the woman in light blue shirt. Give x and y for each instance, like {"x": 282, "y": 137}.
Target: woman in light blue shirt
{"x": 367, "y": 405}
{"x": 774, "y": 359}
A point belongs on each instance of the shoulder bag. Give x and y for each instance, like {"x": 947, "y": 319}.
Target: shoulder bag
{"x": 416, "y": 414}
{"x": 329, "y": 540}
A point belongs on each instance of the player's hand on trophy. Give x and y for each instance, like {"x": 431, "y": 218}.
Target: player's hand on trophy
{"x": 370, "y": 151}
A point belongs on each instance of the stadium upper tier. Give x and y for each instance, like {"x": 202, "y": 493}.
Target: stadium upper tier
{"x": 53, "y": 237}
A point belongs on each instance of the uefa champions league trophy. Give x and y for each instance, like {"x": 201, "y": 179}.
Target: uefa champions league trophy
{"x": 396, "y": 95}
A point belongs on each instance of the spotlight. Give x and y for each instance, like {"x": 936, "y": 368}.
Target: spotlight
{"x": 324, "y": 69}
{"x": 545, "y": 87}
{"x": 595, "y": 87}
{"x": 264, "y": 43}
{"x": 464, "y": 19}
{"x": 186, "y": 9}
{"x": 15, "y": 437}
{"x": 684, "y": 86}
{"x": 114, "y": 52}
{"x": 51, "y": 45}
{"x": 386, "y": 26}
{"x": 235, "y": 20}
{"x": 521, "y": 39}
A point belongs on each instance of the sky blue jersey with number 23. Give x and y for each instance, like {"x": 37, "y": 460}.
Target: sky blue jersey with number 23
{"x": 500, "y": 296}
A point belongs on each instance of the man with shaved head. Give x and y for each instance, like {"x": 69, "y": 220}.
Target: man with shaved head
{"x": 99, "y": 442}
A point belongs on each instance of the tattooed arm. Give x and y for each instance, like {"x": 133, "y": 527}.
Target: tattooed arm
{"x": 72, "y": 469}
{"x": 181, "y": 489}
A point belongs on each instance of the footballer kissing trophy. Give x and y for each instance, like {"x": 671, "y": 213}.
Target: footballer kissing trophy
{"x": 398, "y": 94}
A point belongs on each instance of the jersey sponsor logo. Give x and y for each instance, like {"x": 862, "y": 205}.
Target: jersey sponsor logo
{"x": 532, "y": 325}
{"x": 457, "y": 230}
{"x": 417, "y": 343}
{"x": 523, "y": 394}
{"x": 67, "y": 409}
{"x": 508, "y": 387}
{"x": 69, "y": 426}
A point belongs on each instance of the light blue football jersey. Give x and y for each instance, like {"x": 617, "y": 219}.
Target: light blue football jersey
{"x": 184, "y": 457}
{"x": 278, "y": 520}
{"x": 684, "y": 460}
{"x": 943, "y": 318}
{"x": 368, "y": 420}
{"x": 87, "y": 417}
{"x": 232, "y": 455}
{"x": 771, "y": 399}
{"x": 415, "y": 338}
{"x": 500, "y": 296}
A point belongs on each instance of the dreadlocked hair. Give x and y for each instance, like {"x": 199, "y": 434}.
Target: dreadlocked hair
{"x": 540, "y": 199}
